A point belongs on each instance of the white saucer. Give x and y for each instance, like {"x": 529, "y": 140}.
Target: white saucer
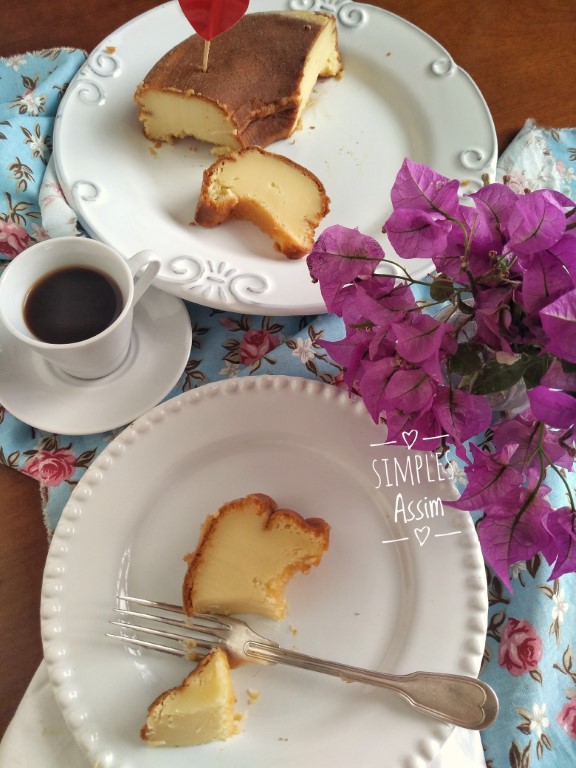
{"x": 36, "y": 392}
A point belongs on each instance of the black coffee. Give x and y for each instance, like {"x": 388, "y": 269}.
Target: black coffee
{"x": 72, "y": 304}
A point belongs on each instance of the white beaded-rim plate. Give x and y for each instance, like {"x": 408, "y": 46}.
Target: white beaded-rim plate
{"x": 401, "y": 95}
{"x": 394, "y": 592}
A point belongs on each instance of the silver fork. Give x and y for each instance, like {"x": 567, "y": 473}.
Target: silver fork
{"x": 455, "y": 699}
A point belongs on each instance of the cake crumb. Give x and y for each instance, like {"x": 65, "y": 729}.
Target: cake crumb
{"x": 253, "y": 695}
{"x": 293, "y": 630}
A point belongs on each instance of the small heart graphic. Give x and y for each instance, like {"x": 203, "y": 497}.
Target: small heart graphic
{"x": 212, "y": 17}
{"x": 410, "y": 437}
{"x": 422, "y": 534}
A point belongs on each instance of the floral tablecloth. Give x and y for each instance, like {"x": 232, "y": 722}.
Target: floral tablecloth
{"x": 529, "y": 656}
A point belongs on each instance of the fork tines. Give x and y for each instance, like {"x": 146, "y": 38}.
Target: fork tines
{"x": 198, "y": 636}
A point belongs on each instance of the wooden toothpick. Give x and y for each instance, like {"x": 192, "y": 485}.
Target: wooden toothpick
{"x": 206, "y": 54}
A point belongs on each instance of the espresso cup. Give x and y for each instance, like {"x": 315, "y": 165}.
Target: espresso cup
{"x": 71, "y": 300}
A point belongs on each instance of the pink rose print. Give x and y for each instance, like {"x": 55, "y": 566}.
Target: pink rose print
{"x": 256, "y": 344}
{"x": 520, "y": 648}
{"x": 567, "y": 718}
{"x": 13, "y": 239}
{"x": 51, "y": 467}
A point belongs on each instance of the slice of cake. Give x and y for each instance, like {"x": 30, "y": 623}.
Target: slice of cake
{"x": 200, "y": 710}
{"x": 247, "y": 553}
{"x": 259, "y": 77}
{"x": 284, "y": 199}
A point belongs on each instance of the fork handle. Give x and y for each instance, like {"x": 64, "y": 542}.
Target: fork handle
{"x": 456, "y": 699}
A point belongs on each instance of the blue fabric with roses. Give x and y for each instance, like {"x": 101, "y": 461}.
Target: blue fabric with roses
{"x": 529, "y": 656}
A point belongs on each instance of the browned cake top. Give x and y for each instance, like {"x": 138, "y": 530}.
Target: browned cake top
{"x": 269, "y": 49}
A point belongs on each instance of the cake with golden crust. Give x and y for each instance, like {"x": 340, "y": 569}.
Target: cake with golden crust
{"x": 284, "y": 199}
{"x": 200, "y": 710}
{"x": 257, "y": 83}
{"x": 247, "y": 553}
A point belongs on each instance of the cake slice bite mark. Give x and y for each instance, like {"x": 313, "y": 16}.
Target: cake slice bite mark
{"x": 281, "y": 197}
{"x": 247, "y": 553}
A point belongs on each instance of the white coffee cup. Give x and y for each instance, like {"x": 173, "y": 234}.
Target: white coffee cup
{"x": 98, "y": 355}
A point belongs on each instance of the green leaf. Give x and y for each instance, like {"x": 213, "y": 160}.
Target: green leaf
{"x": 498, "y": 377}
{"x": 536, "y": 369}
{"x": 442, "y": 288}
{"x": 466, "y": 361}
{"x": 463, "y": 307}
{"x": 568, "y": 367}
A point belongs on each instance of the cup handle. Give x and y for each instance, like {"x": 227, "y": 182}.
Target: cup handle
{"x": 149, "y": 264}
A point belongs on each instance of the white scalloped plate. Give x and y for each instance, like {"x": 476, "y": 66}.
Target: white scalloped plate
{"x": 418, "y": 603}
{"x": 401, "y": 95}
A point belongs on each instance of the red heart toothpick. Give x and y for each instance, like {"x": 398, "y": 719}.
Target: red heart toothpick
{"x": 210, "y": 18}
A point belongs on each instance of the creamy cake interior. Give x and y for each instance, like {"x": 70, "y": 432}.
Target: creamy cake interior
{"x": 259, "y": 78}
{"x": 284, "y": 199}
{"x": 247, "y": 553}
{"x": 200, "y": 710}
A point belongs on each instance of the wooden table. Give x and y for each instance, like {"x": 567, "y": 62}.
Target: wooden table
{"x": 519, "y": 53}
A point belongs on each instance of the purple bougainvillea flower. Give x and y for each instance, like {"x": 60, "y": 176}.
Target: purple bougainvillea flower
{"x": 492, "y": 315}
{"x": 505, "y": 268}
{"x": 484, "y": 243}
{"x": 490, "y": 476}
{"x": 559, "y": 323}
{"x": 557, "y": 378}
{"x": 462, "y": 414}
{"x": 416, "y": 234}
{"x": 376, "y": 302}
{"x": 373, "y": 382}
{"x": 340, "y": 256}
{"x": 420, "y": 338}
{"x": 349, "y": 352}
{"x": 418, "y": 186}
{"x": 425, "y": 426}
{"x": 396, "y": 297}
{"x": 553, "y": 407}
{"x": 561, "y": 550}
{"x": 495, "y": 202}
{"x": 565, "y": 250}
{"x": 531, "y": 438}
{"x": 410, "y": 390}
{"x": 545, "y": 279}
{"x": 536, "y": 222}
{"x": 512, "y": 529}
